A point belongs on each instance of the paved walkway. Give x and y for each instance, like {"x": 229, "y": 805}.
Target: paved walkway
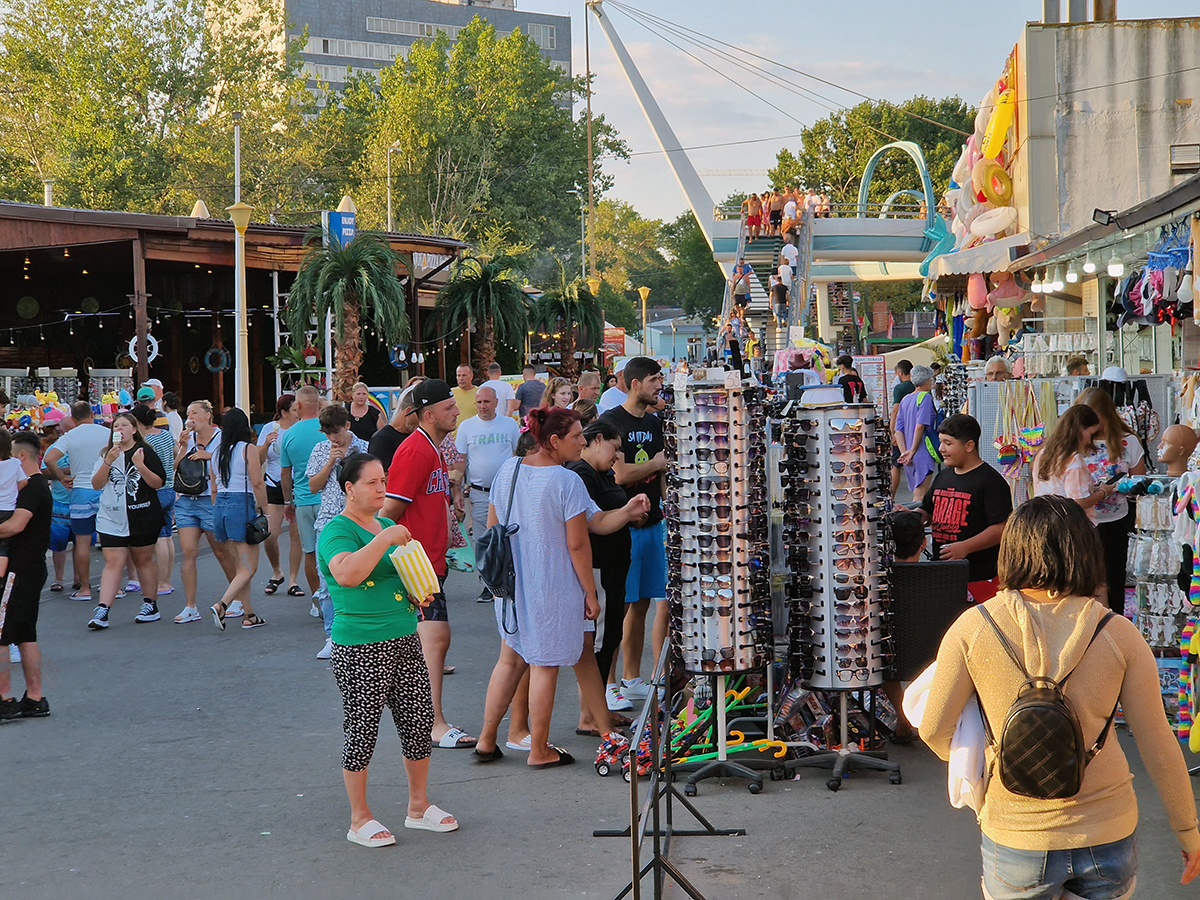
{"x": 180, "y": 762}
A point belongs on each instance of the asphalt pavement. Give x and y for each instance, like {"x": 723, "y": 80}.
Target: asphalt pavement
{"x": 183, "y": 762}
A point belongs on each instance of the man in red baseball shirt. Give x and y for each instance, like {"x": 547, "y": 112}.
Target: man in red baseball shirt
{"x": 418, "y": 494}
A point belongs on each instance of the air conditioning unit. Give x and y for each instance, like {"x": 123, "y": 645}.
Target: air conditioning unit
{"x": 1185, "y": 159}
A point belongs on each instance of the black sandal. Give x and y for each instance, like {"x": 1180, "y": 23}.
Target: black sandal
{"x": 218, "y": 614}
{"x": 564, "y": 759}
{"x": 487, "y": 756}
{"x": 295, "y": 591}
{"x": 273, "y": 585}
{"x": 253, "y": 621}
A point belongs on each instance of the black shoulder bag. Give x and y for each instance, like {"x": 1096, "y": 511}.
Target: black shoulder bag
{"x": 191, "y": 475}
{"x": 494, "y": 559}
{"x": 258, "y": 528}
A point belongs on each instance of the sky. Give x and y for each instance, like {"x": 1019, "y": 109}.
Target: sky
{"x": 882, "y": 48}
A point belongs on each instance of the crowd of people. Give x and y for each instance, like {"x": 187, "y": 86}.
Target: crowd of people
{"x": 775, "y": 212}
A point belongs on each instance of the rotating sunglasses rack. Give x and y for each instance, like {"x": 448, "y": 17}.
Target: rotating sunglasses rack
{"x": 837, "y": 549}
{"x": 717, "y": 526}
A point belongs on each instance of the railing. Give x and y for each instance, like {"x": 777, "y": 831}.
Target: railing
{"x": 727, "y": 300}
{"x": 877, "y": 211}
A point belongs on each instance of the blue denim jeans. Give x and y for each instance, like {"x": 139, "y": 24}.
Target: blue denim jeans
{"x": 1103, "y": 872}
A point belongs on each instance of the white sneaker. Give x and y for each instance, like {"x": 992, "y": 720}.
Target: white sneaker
{"x": 14, "y": 653}
{"x": 635, "y": 689}
{"x": 235, "y": 610}
{"x": 189, "y": 614}
{"x": 314, "y": 610}
{"x": 616, "y": 702}
{"x": 326, "y": 651}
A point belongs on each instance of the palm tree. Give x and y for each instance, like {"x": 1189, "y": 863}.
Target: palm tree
{"x": 565, "y": 309}
{"x": 353, "y": 281}
{"x": 482, "y": 292}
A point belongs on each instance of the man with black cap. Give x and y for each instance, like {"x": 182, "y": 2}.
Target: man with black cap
{"x": 418, "y": 497}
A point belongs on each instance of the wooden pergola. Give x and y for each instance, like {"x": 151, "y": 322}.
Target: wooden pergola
{"x": 137, "y": 270}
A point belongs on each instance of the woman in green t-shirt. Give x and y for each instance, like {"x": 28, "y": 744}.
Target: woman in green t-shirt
{"x": 376, "y": 659}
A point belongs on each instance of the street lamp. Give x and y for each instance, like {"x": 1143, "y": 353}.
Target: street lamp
{"x": 593, "y": 284}
{"x": 390, "y": 150}
{"x": 240, "y": 214}
{"x": 582, "y": 235}
{"x": 644, "y": 292}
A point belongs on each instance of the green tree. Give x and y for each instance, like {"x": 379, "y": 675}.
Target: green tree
{"x": 570, "y": 311}
{"x": 483, "y": 294}
{"x": 485, "y": 135}
{"x": 698, "y": 280}
{"x": 352, "y": 282}
{"x": 834, "y": 150}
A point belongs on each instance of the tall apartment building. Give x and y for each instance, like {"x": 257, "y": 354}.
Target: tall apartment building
{"x": 366, "y": 35}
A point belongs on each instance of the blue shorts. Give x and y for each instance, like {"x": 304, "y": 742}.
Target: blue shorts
{"x": 60, "y": 527}
{"x": 192, "y": 511}
{"x": 647, "y": 579}
{"x": 231, "y": 515}
{"x": 85, "y": 503}
{"x": 166, "y": 499}
{"x": 1103, "y": 872}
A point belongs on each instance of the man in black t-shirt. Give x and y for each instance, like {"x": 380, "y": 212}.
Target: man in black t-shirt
{"x": 639, "y": 469}
{"x": 968, "y": 505}
{"x": 28, "y": 534}
{"x": 387, "y": 440}
{"x": 854, "y": 389}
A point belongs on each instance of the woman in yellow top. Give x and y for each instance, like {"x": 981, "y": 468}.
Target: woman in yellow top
{"x": 1050, "y": 568}
{"x": 376, "y": 657}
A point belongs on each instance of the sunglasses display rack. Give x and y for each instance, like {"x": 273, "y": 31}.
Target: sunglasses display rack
{"x": 837, "y": 548}
{"x": 718, "y": 587}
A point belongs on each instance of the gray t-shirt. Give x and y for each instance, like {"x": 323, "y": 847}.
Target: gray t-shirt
{"x": 529, "y": 394}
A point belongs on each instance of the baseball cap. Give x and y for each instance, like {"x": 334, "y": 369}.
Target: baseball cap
{"x": 427, "y": 393}
{"x": 152, "y": 382}
{"x": 1115, "y": 373}
{"x": 619, "y": 365}
{"x": 145, "y": 392}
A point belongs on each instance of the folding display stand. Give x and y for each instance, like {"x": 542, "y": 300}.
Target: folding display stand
{"x": 837, "y": 546}
{"x": 719, "y": 580}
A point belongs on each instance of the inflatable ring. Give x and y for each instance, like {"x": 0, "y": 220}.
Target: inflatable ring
{"x": 217, "y": 359}
{"x": 994, "y": 221}
{"x": 997, "y": 130}
{"x": 991, "y": 181}
{"x": 151, "y": 340}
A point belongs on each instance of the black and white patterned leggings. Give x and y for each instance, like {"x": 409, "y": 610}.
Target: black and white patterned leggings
{"x": 371, "y": 676}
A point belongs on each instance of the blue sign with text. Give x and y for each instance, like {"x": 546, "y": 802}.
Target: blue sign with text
{"x": 339, "y": 225}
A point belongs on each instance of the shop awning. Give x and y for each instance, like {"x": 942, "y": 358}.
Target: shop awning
{"x": 989, "y": 257}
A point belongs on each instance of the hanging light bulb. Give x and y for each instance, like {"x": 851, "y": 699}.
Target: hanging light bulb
{"x": 1089, "y": 266}
{"x": 101, "y": 321}
{"x": 10, "y": 339}
{"x": 66, "y": 253}
{"x": 413, "y": 358}
{"x": 1072, "y": 273}
{"x": 1057, "y": 284}
{"x": 1036, "y": 284}
{"x": 421, "y": 358}
{"x": 41, "y": 333}
{"x": 1116, "y": 265}
{"x": 72, "y": 328}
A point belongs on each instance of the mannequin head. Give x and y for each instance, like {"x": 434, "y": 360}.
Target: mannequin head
{"x": 1177, "y": 444}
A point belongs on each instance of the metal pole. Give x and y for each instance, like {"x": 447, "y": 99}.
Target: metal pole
{"x": 591, "y": 201}
{"x": 241, "y": 328}
{"x": 582, "y": 239}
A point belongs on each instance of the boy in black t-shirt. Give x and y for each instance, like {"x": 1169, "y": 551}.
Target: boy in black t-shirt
{"x": 968, "y": 505}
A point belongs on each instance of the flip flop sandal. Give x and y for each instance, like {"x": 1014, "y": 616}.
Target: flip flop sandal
{"x": 365, "y": 835}
{"x": 75, "y": 596}
{"x": 76, "y": 585}
{"x": 522, "y": 745}
{"x": 452, "y": 740}
{"x": 273, "y": 585}
{"x": 585, "y": 732}
{"x": 564, "y": 759}
{"x": 432, "y": 821}
{"x": 616, "y": 720}
{"x": 162, "y": 592}
{"x": 295, "y": 591}
{"x": 448, "y": 670}
{"x": 56, "y": 586}
{"x": 218, "y": 616}
{"x": 253, "y": 621}
{"x": 489, "y": 756}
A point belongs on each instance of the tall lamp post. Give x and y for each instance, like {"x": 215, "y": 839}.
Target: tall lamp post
{"x": 582, "y": 234}
{"x": 240, "y": 214}
{"x": 390, "y": 150}
{"x": 644, "y": 292}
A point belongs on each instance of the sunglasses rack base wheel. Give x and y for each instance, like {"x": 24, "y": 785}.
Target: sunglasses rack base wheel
{"x": 834, "y": 477}
{"x": 718, "y": 587}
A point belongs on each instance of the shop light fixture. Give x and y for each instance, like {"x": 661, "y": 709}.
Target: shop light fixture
{"x": 1089, "y": 267}
{"x": 1036, "y": 284}
{"x": 1072, "y": 273}
{"x": 1057, "y": 284}
{"x": 1116, "y": 265}
{"x": 66, "y": 253}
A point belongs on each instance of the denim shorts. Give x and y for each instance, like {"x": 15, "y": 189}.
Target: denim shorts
{"x": 166, "y": 499}
{"x": 647, "y": 579}
{"x": 194, "y": 511}
{"x": 306, "y": 524}
{"x": 231, "y": 514}
{"x": 1102, "y": 872}
{"x": 60, "y": 527}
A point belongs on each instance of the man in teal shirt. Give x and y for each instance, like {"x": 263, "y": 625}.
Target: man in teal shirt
{"x": 295, "y": 447}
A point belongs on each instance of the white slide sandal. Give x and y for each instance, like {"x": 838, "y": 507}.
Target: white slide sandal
{"x": 366, "y": 835}
{"x": 432, "y": 821}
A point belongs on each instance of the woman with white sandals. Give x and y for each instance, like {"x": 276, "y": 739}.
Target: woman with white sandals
{"x": 376, "y": 657}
